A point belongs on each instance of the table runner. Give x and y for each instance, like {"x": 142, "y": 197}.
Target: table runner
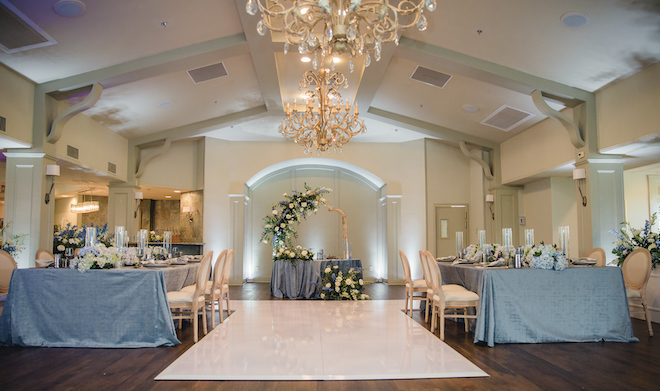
{"x": 98, "y": 308}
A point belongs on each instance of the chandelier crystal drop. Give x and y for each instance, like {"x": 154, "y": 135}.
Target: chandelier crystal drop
{"x": 325, "y": 122}
{"x": 340, "y": 26}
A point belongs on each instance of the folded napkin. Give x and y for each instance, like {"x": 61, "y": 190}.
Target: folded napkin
{"x": 44, "y": 262}
{"x": 499, "y": 262}
{"x": 462, "y": 261}
{"x": 584, "y": 261}
{"x": 445, "y": 259}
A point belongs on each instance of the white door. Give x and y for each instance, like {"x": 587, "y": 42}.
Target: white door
{"x": 450, "y": 219}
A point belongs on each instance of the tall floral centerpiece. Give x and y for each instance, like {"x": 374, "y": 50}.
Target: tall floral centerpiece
{"x": 12, "y": 244}
{"x": 279, "y": 224}
{"x": 631, "y": 239}
{"x": 72, "y": 236}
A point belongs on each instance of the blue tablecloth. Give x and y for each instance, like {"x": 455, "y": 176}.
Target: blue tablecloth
{"x": 532, "y": 306}
{"x": 98, "y": 309}
{"x": 299, "y": 279}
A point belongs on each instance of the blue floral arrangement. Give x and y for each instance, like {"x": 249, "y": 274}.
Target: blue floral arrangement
{"x": 631, "y": 239}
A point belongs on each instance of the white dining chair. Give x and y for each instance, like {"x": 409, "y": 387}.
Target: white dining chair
{"x": 426, "y": 259}
{"x": 636, "y": 271}
{"x": 599, "y": 255}
{"x": 186, "y": 304}
{"x": 7, "y": 266}
{"x": 412, "y": 286}
{"x": 43, "y": 257}
{"x": 212, "y": 287}
{"x": 225, "y": 283}
{"x": 452, "y": 299}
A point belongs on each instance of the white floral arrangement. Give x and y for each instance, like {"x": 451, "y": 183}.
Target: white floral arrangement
{"x": 545, "y": 257}
{"x": 473, "y": 252}
{"x": 14, "y": 243}
{"x": 337, "y": 286}
{"x": 502, "y": 253}
{"x": 279, "y": 228}
{"x": 95, "y": 257}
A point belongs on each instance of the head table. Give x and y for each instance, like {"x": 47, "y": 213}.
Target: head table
{"x": 298, "y": 279}
{"x": 578, "y": 304}
{"x": 116, "y": 308}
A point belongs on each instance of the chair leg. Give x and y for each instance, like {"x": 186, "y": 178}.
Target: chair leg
{"x": 405, "y": 311}
{"x": 426, "y": 313}
{"x": 195, "y": 324}
{"x": 227, "y": 301}
{"x": 206, "y": 331}
{"x": 465, "y": 319}
{"x": 220, "y": 310}
{"x": 648, "y": 319}
{"x": 213, "y": 310}
{"x": 442, "y": 324}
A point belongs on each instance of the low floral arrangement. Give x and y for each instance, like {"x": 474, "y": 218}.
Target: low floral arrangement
{"x": 494, "y": 251}
{"x": 95, "y": 257}
{"x": 296, "y": 253}
{"x": 155, "y": 252}
{"x": 13, "y": 244}
{"x": 337, "y": 286}
{"x": 154, "y": 236}
{"x": 631, "y": 239}
{"x": 71, "y": 236}
{"x": 279, "y": 228}
{"x": 545, "y": 256}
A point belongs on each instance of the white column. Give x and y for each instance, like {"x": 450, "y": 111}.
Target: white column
{"x": 393, "y": 228}
{"x": 121, "y": 208}
{"x": 243, "y": 263}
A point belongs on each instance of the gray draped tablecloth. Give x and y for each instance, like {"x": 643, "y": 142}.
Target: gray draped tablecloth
{"x": 119, "y": 308}
{"x": 176, "y": 277}
{"x": 532, "y": 306}
{"x": 299, "y": 279}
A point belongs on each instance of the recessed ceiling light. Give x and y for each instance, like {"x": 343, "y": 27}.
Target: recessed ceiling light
{"x": 168, "y": 196}
{"x": 165, "y": 104}
{"x": 69, "y": 8}
{"x": 305, "y": 59}
{"x": 177, "y": 191}
{"x": 65, "y": 195}
{"x": 470, "y": 108}
{"x": 574, "y": 19}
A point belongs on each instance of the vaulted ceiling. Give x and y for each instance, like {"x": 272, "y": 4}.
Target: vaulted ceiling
{"x": 496, "y": 53}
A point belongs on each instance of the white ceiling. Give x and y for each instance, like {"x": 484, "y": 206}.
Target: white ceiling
{"x": 522, "y": 45}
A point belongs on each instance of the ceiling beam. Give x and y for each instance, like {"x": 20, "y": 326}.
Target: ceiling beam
{"x": 201, "y": 127}
{"x": 373, "y": 76}
{"x": 428, "y": 129}
{"x": 263, "y": 59}
{"x": 150, "y": 66}
{"x": 486, "y": 71}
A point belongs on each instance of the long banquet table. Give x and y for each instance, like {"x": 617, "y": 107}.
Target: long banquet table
{"x": 577, "y": 304}
{"x": 118, "y": 308}
{"x": 299, "y": 279}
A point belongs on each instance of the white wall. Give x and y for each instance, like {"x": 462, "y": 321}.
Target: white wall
{"x": 628, "y": 110}
{"x": 542, "y": 147}
{"x": 97, "y": 145}
{"x": 63, "y": 212}
{"x": 636, "y": 190}
{"x": 564, "y": 212}
{"x": 16, "y": 105}
{"x": 178, "y": 168}
{"x": 537, "y": 201}
{"x": 228, "y": 165}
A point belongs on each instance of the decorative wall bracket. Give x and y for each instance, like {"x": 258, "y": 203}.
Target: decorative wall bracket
{"x": 58, "y": 125}
{"x": 142, "y": 165}
{"x": 487, "y": 171}
{"x": 572, "y": 129}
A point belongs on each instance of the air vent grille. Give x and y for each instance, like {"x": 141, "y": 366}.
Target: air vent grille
{"x": 430, "y": 77}
{"x": 506, "y": 118}
{"x": 3, "y": 124}
{"x": 72, "y": 152}
{"x": 208, "y": 72}
{"x": 18, "y": 32}
{"x": 112, "y": 168}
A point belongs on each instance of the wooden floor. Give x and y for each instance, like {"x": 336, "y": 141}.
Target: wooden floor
{"x": 561, "y": 366}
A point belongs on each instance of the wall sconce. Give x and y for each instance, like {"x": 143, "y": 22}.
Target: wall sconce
{"x": 189, "y": 209}
{"x": 138, "y": 201}
{"x": 52, "y": 170}
{"x": 490, "y": 199}
{"x": 579, "y": 175}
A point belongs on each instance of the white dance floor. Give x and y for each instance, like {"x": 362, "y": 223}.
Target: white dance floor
{"x": 319, "y": 340}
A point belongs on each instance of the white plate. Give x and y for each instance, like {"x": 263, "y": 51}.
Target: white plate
{"x": 446, "y": 259}
{"x": 155, "y": 265}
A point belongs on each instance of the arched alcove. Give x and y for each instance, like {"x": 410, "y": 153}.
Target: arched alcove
{"x": 358, "y": 192}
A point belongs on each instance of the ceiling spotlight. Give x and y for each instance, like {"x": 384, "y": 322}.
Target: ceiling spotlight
{"x": 69, "y": 8}
{"x": 574, "y": 19}
{"x": 165, "y": 104}
{"x": 470, "y": 108}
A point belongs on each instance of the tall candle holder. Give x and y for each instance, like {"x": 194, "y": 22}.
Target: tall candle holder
{"x": 563, "y": 240}
{"x": 120, "y": 233}
{"x": 90, "y": 236}
{"x": 482, "y": 238}
{"x": 167, "y": 242}
{"x": 459, "y": 243}
{"x": 529, "y": 237}
{"x": 507, "y": 238}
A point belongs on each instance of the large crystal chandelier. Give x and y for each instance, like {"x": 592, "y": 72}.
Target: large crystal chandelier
{"x": 326, "y": 121}
{"x": 340, "y": 26}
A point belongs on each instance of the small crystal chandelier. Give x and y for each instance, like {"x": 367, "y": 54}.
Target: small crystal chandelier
{"x": 332, "y": 124}
{"x": 85, "y": 206}
{"x": 340, "y": 26}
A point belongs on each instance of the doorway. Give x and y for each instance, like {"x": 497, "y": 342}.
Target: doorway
{"x": 450, "y": 219}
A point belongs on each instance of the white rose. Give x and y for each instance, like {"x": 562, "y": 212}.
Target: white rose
{"x": 71, "y": 241}
{"x": 291, "y": 205}
{"x": 349, "y": 281}
{"x": 274, "y": 211}
{"x": 304, "y": 204}
{"x": 277, "y": 228}
{"x": 282, "y": 225}
{"x": 61, "y": 248}
{"x": 292, "y": 254}
{"x": 327, "y": 285}
{"x": 652, "y": 247}
{"x": 361, "y": 282}
{"x": 284, "y": 194}
{"x": 327, "y": 270}
{"x": 304, "y": 253}
{"x": 338, "y": 280}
